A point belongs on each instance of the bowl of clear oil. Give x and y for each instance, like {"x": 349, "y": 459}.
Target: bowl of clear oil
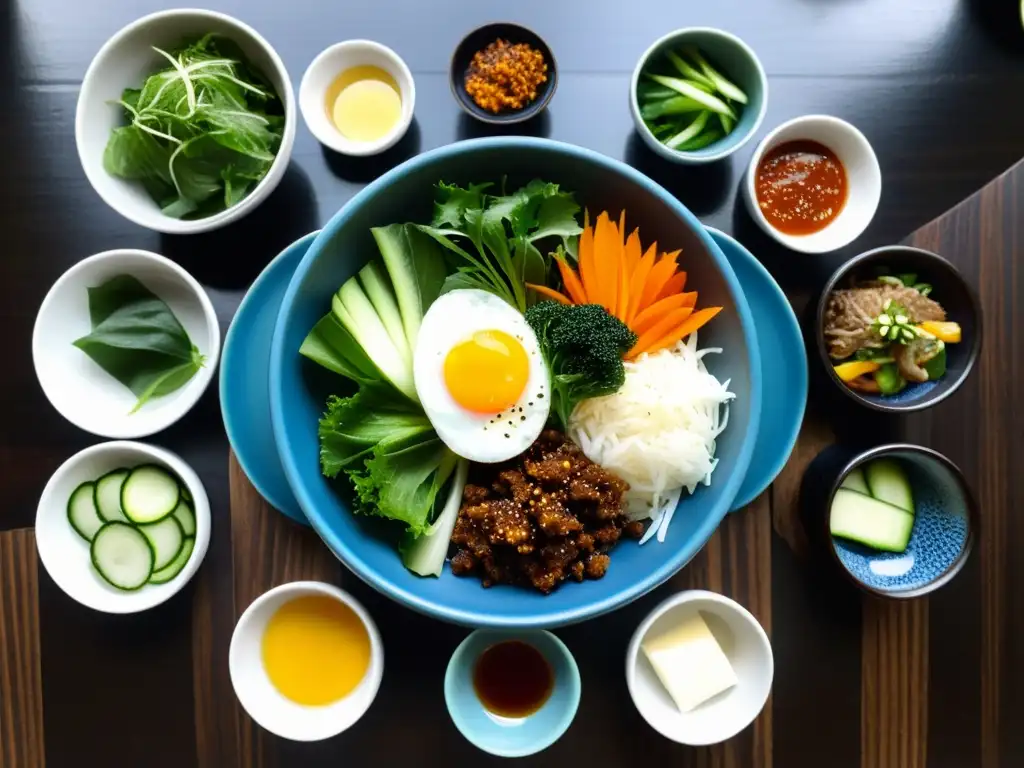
{"x": 357, "y": 98}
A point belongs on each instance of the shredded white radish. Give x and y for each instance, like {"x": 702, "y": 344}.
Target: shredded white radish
{"x": 658, "y": 431}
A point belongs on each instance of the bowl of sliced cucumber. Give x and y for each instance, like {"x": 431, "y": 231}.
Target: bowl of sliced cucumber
{"x": 122, "y": 526}
{"x": 900, "y": 519}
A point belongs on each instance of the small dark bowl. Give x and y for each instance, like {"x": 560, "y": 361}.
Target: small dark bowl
{"x": 479, "y": 39}
{"x": 945, "y": 521}
{"x": 950, "y": 289}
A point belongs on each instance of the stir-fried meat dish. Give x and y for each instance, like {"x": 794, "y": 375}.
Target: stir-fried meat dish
{"x": 547, "y": 515}
{"x": 851, "y": 312}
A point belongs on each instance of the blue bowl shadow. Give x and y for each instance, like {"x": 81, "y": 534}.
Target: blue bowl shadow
{"x": 245, "y": 381}
{"x": 783, "y": 374}
{"x": 406, "y": 193}
{"x": 503, "y": 736}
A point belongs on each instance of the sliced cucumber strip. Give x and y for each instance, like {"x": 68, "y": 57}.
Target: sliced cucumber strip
{"x": 149, "y": 493}
{"x": 166, "y": 537}
{"x": 107, "y": 496}
{"x": 169, "y": 572}
{"x": 869, "y": 521}
{"x": 185, "y": 494}
{"x": 122, "y": 556}
{"x": 184, "y": 514}
{"x": 855, "y": 482}
{"x": 888, "y": 482}
{"x": 82, "y": 512}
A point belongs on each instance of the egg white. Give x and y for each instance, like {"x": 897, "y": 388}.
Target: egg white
{"x": 484, "y": 438}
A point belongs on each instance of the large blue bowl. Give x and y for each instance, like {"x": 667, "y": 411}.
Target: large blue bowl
{"x": 298, "y": 389}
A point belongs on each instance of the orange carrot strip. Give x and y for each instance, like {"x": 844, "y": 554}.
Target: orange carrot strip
{"x": 658, "y": 310}
{"x": 659, "y": 329}
{"x": 605, "y": 254}
{"x": 632, "y": 251}
{"x": 660, "y": 274}
{"x": 638, "y": 279}
{"x": 572, "y": 283}
{"x": 551, "y": 293}
{"x": 692, "y": 323}
{"x": 673, "y": 285}
{"x": 588, "y": 272}
{"x": 622, "y": 302}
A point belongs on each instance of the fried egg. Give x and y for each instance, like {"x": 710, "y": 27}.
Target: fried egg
{"x": 480, "y": 376}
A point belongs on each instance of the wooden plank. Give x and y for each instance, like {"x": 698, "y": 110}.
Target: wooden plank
{"x": 974, "y": 712}
{"x": 268, "y": 549}
{"x": 21, "y": 678}
{"x": 894, "y": 684}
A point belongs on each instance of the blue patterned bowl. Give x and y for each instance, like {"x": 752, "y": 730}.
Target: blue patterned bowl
{"x": 950, "y": 289}
{"x": 945, "y": 527}
{"x": 502, "y": 736}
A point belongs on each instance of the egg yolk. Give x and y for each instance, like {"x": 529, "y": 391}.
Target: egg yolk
{"x": 488, "y": 372}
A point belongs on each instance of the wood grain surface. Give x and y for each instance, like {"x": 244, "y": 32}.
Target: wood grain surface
{"x": 21, "y": 677}
{"x": 859, "y": 684}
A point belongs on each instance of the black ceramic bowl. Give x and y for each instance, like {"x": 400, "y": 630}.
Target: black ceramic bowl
{"x": 479, "y": 39}
{"x": 950, "y": 289}
{"x": 945, "y": 521}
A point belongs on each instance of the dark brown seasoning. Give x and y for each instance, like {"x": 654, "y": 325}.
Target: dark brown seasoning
{"x": 513, "y": 679}
{"x": 505, "y": 76}
{"x": 800, "y": 187}
{"x": 545, "y": 516}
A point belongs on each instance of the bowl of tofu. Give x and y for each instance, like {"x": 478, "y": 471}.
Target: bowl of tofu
{"x": 699, "y": 668}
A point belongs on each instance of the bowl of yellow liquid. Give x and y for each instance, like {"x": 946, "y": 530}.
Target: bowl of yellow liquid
{"x": 306, "y": 660}
{"x": 357, "y": 97}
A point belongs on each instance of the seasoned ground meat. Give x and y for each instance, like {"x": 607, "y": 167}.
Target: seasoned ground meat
{"x": 548, "y": 515}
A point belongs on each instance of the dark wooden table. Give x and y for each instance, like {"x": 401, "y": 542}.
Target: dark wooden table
{"x": 935, "y": 85}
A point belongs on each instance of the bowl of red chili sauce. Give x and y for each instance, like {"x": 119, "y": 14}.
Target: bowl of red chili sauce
{"x": 813, "y": 184}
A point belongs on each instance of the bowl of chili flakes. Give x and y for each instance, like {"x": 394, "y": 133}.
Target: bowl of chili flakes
{"x": 503, "y": 73}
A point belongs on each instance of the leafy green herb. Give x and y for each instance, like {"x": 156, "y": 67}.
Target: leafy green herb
{"x": 390, "y": 453}
{"x": 583, "y": 346}
{"x": 201, "y": 133}
{"x": 137, "y": 339}
{"x": 501, "y": 254}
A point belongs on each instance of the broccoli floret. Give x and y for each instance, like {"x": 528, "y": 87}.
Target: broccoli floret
{"x": 583, "y": 346}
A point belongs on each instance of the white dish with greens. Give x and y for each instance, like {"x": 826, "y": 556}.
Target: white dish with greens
{"x": 185, "y": 121}
{"x": 122, "y": 526}
{"x": 125, "y": 343}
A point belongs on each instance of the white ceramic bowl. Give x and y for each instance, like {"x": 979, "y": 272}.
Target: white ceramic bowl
{"x": 744, "y": 643}
{"x": 64, "y": 553}
{"x": 78, "y": 388}
{"x": 262, "y": 700}
{"x": 863, "y": 181}
{"x": 739, "y": 63}
{"x": 125, "y": 61}
{"x": 331, "y": 63}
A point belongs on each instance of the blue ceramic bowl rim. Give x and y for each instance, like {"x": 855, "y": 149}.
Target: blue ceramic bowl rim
{"x": 973, "y": 518}
{"x": 793, "y": 329}
{"x": 457, "y": 662}
{"x": 704, "y": 155}
{"x": 926, "y": 401}
{"x": 542, "y": 617}
{"x": 226, "y": 370}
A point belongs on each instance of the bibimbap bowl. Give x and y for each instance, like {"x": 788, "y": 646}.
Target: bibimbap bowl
{"x": 298, "y": 389}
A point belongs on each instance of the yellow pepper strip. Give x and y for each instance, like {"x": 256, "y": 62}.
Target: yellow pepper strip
{"x": 947, "y": 332}
{"x": 847, "y": 372}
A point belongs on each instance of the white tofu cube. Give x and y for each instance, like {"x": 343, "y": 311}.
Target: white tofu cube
{"x": 689, "y": 662}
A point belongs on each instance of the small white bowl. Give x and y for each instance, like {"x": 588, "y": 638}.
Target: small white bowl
{"x": 863, "y": 181}
{"x": 77, "y": 387}
{"x": 64, "y": 553}
{"x": 262, "y": 700}
{"x": 125, "y": 61}
{"x": 331, "y": 63}
{"x": 745, "y": 644}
